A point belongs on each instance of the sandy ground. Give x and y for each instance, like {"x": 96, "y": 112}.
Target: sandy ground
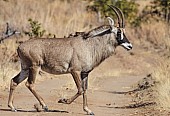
{"x": 107, "y": 99}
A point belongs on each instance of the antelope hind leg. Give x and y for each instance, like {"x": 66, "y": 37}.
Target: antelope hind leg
{"x": 13, "y": 85}
{"x": 14, "y": 82}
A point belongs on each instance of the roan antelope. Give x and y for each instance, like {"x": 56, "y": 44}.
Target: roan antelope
{"x": 72, "y": 55}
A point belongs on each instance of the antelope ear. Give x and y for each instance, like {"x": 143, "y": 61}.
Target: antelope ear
{"x": 111, "y": 21}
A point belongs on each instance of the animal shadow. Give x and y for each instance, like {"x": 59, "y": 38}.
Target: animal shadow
{"x": 19, "y": 110}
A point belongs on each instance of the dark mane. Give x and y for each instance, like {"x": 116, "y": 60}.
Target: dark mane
{"x": 76, "y": 34}
{"x": 99, "y": 31}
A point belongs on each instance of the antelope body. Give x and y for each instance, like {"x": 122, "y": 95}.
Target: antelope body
{"x": 58, "y": 56}
{"x": 68, "y": 55}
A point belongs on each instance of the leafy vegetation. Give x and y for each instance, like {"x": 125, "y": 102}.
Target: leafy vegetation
{"x": 36, "y": 29}
{"x": 129, "y": 8}
{"x": 158, "y": 8}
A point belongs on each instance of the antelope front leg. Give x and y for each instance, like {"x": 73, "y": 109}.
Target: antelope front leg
{"x": 84, "y": 77}
{"x": 78, "y": 83}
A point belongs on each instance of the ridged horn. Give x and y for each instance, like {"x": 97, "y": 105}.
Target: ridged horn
{"x": 121, "y": 14}
{"x": 117, "y": 14}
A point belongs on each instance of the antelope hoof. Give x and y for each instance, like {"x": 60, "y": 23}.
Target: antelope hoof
{"x": 38, "y": 108}
{"x": 64, "y": 101}
{"x": 45, "y": 109}
{"x": 91, "y": 113}
{"x": 14, "y": 110}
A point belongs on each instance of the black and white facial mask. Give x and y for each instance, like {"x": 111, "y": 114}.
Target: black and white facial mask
{"x": 120, "y": 35}
{"x": 122, "y": 39}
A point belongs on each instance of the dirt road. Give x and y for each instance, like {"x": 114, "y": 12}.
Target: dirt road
{"x": 105, "y": 97}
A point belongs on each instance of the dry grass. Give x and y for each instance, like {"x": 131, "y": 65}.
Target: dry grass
{"x": 162, "y": 77}
{"x": 153, "y": 34}
{"x": 7, "y": 66}
{"x": 159, "y": 35}
{"x": 155, "y": 37}
{"x": 57, "y": 17}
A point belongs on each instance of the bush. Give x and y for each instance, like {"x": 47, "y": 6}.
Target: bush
{"x": 159, "y": 9}
{"x": 129, "y": 8}
{"x": 35, "y": 29}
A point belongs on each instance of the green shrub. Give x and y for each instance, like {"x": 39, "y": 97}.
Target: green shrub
{"x": 129, "y": 8}
{"x": 158, "y": 9}
{"x": 35, "y": 29}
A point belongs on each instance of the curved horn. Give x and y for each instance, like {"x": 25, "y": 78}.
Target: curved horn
{"x": 117, "y": 14}
{"x": 121, "y": 13}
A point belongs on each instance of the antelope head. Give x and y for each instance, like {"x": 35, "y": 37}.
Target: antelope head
{"x": 119, "y": 30}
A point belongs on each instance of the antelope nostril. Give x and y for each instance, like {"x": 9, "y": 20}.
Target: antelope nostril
{"x": 130, "y": 46}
